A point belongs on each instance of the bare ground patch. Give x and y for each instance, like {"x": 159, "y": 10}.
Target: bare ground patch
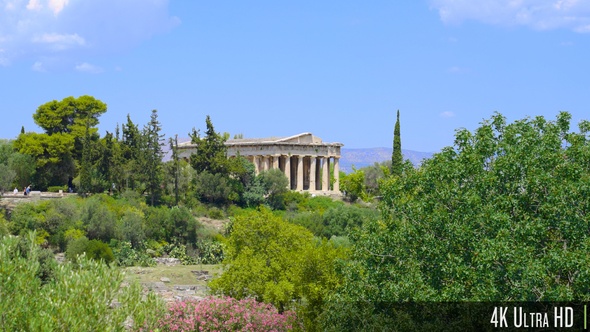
{"x": 175, "y": 282}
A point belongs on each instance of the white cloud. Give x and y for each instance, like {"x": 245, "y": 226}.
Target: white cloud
{"x": 537, "y": 14}
{"x": 447, "y": 114}
{"x": 38, "y": 66}
{"x": 60, "y": 42}
{"x": 68, "y": 31}
{"x": 88, "y": 68}
{"x": 57, "y": 5}
{"x": 34, "y": 5}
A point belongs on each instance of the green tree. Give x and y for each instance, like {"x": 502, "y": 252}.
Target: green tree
{"x": 501, "y": 216}
{"x": 214, "y": 188}
{"x": 7, "y": 177}
{"x": 131, "y": 228}
{"x": 86, "y": 167}
{"x": 211, "y": 155}
{"x": 53, "y": 156}
{"x": 275, "y": 184}
{"x": 71, "y": 116}
{"x": 108, "y": 164}
{"x": 175, "y": 167}
{"x": 99, "y": 220}
{"x": 56, "y": 151}
{"x": 24, "y": 168}
{"x": 264, "y": 259}
{"x": 396, "y": 157}
{"x": 131, "y": 144}
{"x": 353, "y": 185}
{"x": 152, "y": 157}
{"x": 374, "y": 174}
{"x": 277, "y": 262}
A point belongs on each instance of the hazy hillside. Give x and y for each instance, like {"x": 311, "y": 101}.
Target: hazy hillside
{"x": 368, "y": 156}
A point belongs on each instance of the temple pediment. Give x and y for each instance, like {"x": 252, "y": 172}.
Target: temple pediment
{"x": 303, "y": 138}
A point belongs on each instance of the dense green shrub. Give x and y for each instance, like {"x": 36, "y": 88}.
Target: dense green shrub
{"x": 215, "y": 213}
{"x": 100, "y": 222}
{"x": 28, "y": 217}
{"x": 157, "y": 224}
{"x": 94, "y": 249}
{"x": 79, "y": 297}
{"x": 4, "y": 226}
{"x": 179, "y": 251}
{"x": 335, "y": 221}
{"x": 214, "y": 188}
{"x": 126, "y": 255}
{"x": 209, "y": 251}
{"x": 311, "y": 220}
{"x": 277, "y": 262}
{"x": 55, "y": 189}
{"x": 182, "y": 225}
{"x": 131, "y": 228}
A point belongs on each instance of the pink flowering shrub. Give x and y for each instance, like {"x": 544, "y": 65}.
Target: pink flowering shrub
{"x": 225, "y": 314}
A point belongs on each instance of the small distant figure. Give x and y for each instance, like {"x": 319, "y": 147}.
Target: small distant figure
{"x": 28, "y": 189}
{"x": 15, "y": 191}
{"x": 70, "y": 190}
{"x": 25, "y": 191}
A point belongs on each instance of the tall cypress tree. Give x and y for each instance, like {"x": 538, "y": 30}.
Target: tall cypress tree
{"x": 396, "y": 157}
{"x": 152, "y": 156}
{"x": 86, "y": 163}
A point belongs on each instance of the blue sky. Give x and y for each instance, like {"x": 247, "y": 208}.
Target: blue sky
{"x": 338, "y": 69}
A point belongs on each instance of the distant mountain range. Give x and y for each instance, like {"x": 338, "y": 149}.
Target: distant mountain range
{"x": 369, "y": 156}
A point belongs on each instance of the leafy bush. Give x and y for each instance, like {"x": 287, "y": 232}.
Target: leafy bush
{"x": 100, "y": 222}
{"x": 215, "y": 213}
{"x": 209, "y": 252}
{"x": 4, "y": 226}
{"x": 131, "y": 228}
{"x": 126, "y": 255}
{"x": 353, "y": 185}
{"x": 179, "y": 251}
{"x": 55, "y": 189}
{"x": 78, "y": 297}
{"x": 28, "y": 217}
{"x": 213, "y": 188}
{"x": 226, "y": 314}
{"x": 94, "y": 249}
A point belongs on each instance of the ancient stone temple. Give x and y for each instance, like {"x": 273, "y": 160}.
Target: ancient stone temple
{"x": 304, "y": 159}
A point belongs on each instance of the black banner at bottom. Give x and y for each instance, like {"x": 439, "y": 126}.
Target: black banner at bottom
{"x": 463, "y": 316}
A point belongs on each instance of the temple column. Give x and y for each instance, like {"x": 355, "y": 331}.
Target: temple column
{"x": 336, "y": 174}
{"x": 299, "y": 184}
{"x": 318, "y": 172}
{"x": 275, "y": 161}
{"x": 325, "y": 174}
{"x": 287, "y": 170}
{"x": 256, "y": 166}
{"x": 312, "y": 169}
{"x": 265, "y": 163}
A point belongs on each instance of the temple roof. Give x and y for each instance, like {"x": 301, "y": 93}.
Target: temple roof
{"x": 303, "y": 138}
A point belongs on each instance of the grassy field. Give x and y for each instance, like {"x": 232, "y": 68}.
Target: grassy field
{"x": 178, "y": 275}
